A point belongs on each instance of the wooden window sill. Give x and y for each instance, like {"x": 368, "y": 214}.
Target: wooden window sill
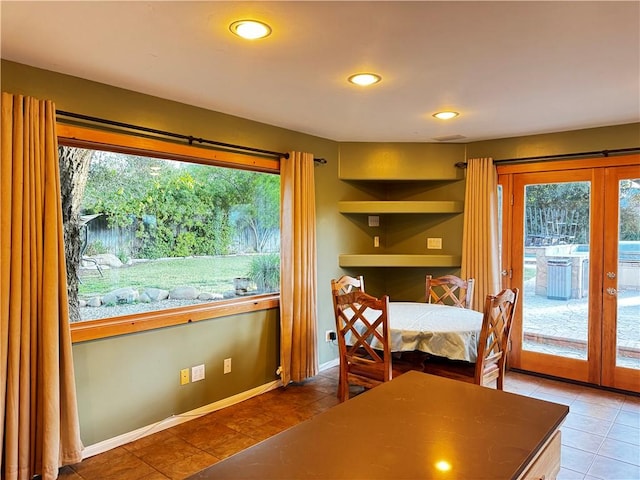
{"x": 140, "y": 322}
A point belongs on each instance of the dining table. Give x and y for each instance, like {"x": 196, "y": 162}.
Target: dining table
{"x": 440, "y": 330}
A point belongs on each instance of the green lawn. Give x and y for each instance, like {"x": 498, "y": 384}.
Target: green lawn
{"x": 213, "y": 274}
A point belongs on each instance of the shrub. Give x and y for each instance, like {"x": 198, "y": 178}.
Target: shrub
{"x": 265, "y": 272}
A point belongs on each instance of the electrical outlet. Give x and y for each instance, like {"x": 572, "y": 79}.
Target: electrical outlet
{"x": 227, "y": 365}
{"x": 329, "y": 336}
{"x": 184, "y": 376}
{"x": 197, "y": 373}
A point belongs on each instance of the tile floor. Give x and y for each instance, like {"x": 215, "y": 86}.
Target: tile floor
{"x": 600, "y": 436}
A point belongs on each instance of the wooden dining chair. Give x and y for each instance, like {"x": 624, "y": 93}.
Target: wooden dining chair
{"x": 363, "y": 340}
{"x": 493, "y": 345}
{"x": 449, "y": 290}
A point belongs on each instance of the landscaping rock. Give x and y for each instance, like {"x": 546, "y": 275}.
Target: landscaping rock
{"x": 108, "y": 259}
{"x": 120, "y": 296}
{"x": 210, "y": 296}
{"x": 156, "y": 294}
{"x": 144, "y": 298}
{"x": 184, "y": 293}
{"x": 94, "y": 302}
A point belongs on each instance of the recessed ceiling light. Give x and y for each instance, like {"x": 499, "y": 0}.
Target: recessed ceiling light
{"x": 364, "y": 79}
{"x": 446, "y": 115}
{"x": 250, "y": 29}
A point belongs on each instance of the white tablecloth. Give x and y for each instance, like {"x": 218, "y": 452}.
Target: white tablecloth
{"x": 440, "y": 330}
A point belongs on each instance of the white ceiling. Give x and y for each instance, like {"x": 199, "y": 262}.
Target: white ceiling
{"x": 509, "y": 68}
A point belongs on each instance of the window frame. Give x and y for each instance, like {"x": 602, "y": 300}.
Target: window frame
{"x": 82, "y": 137}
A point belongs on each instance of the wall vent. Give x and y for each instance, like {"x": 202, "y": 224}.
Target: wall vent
{"x": 449, "y": 138}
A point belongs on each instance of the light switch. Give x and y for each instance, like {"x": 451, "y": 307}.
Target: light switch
{"x": 434, "y": 243}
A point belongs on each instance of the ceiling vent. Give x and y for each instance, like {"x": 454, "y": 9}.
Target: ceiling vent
{"x": 449, "y": 138}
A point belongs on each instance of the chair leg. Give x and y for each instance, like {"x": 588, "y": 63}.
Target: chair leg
{"x": 343, "y": 387}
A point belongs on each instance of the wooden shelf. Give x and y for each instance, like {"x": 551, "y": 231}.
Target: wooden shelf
{"x": 398, "y": 207}
{"x": 398, "y": 260}
{"x": 428, "y": 178}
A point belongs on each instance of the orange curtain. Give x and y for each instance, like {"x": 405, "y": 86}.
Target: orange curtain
{"x": 480, "y": 253}
{"x": 38, "y": 398}
{"x": 298, "y": 337}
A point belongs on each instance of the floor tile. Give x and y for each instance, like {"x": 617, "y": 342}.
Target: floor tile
{"x": 593, "y": 425}
{"x": 575, "y": 459}
{"x": 610, "y": 469}
{"x": 601, "y": 397}
{"x": 155, "y": 476}
{"x": 625, "y": 433}
{"x": 68, "y": 473}
{"x": 631, "y": 404}
{"x": 208, "y": 436}
{"x": 246, "y": 422}
{"x": 568, "y": 391}
{"x": 170, "y": 450}
{"x": 153, "y": 439}
{"x": 629, "y": 418}
{"x": 271, "y": 428}
{"x": 551, "y": 397}
{"x": 188, "y": 466}
{"x": 581, "y": 440}
{"x": 566, "y": 474}
{"x": 618, "y": 450}
{"x": 232, "y": 445}
{"x": 604, "y": 412}
{"x": 125, "y": 466}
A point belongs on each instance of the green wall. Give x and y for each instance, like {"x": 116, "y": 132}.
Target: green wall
{"x": 130, "y": 381}
{"x": 560, "y": 143}
{"x": 127, "y": 382}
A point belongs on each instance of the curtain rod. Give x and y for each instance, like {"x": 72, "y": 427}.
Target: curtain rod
{"x": 188, "y": 138}
{"x": 563, "y": 156}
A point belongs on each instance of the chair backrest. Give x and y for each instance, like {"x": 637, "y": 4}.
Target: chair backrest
{"x": 346, "y": 284}
{"x": 362, "y": 326}
{"x": 449, "y": 290}
{"x": 493, "y": 343}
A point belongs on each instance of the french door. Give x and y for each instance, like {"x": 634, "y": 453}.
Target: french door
{"x": 571, "y": 243}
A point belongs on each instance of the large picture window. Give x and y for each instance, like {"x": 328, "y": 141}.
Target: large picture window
{"x": 161, "y": 236}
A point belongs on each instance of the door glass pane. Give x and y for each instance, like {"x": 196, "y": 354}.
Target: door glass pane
{"x": 556, "y": 269}
{"x": 628, "y": 333}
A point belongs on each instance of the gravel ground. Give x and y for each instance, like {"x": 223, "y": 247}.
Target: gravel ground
{"x": 97, "y": 313}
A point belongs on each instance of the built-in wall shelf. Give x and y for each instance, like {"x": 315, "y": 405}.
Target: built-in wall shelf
{"x": 401, "y": 260}
{"x": 413, "y": 195}
{"x": 399, "y": 207}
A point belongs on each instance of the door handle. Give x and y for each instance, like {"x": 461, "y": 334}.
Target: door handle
{"x": 612, "y": 291}
{"x": 611, "y": 275}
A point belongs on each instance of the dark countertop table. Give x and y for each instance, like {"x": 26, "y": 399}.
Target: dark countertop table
{"x": 402, "y": 430}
